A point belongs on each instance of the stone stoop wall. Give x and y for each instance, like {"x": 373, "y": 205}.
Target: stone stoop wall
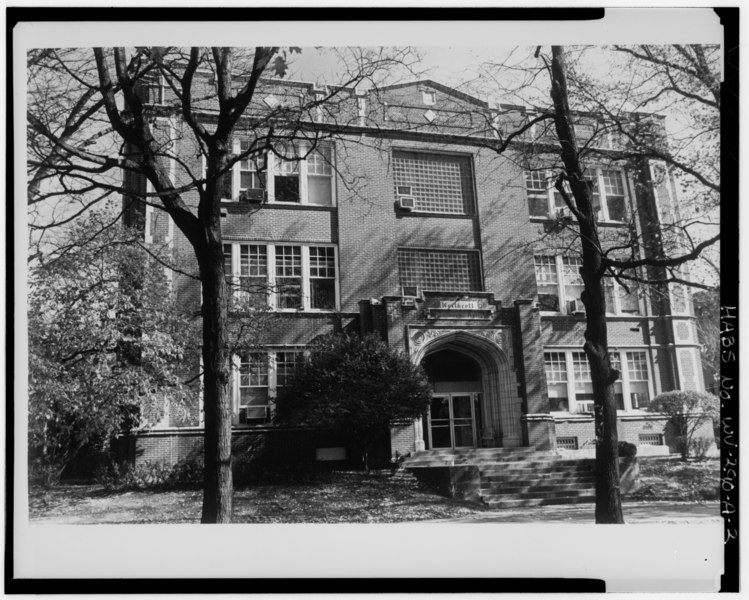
{"x": 539, "y": 432}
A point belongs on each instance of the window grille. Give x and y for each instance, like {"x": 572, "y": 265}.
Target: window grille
{"x": 650, "y": 439}
{"x": 440, "y": 270}
{"x": 567, "y": 443}
{"x": 439, "y": 183}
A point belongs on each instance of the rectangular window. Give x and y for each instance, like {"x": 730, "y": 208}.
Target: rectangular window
{"x": 548, "y": 282}
{"x": 322, "y": 277}
{"x": 289, "y": 277}
{"x": 560, "y": 287}
{"x": 609, "y": 196}
{"x": 320, "y": 176}
{"x": 616, "y": 202}
{"x": 555, "y": 364}
{"x": 637, "y": 372}
{"x": 286, "y": 176}
{"x": 286, "y": 363}
{"x": 296, "y": 173}
{"x": 251, "y": 176}
{"x": 292, "y": 277}
{"x": 253, "y": 274}
{"x": 253, "y": 387}
{"x": 440, "y": 270}
{"x": 570, "y": 383}
{"x": 439, "y": 183}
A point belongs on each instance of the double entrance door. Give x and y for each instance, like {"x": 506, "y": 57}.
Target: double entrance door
{"x": 452, "y": 420}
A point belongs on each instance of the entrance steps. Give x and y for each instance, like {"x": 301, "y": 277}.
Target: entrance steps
{"x": 512, "y": 477}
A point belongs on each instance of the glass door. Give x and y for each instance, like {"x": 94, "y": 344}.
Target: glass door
{"x": 452, "y": 422}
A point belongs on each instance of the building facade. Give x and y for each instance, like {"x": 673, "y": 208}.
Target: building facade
{"x": 403, "y": 219}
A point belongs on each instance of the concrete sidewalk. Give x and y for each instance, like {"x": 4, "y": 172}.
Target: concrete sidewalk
{"x": 634, "y": 513}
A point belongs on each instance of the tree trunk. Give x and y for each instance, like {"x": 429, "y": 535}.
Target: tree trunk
{"x": 218, "y": 487}
{"x": 608, "y": 498}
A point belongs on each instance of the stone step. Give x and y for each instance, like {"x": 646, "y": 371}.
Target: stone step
{"x": 520, "y": 503}
{"x": 520, "y": 473}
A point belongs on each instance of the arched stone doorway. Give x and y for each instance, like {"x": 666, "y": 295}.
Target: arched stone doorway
{"x": 454, "y": 419}
{"x": 475, "y": 399}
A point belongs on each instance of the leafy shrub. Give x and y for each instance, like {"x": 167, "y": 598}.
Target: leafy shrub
{"x": 700, "y": 447}
{"x": 688, "y": 410}
{"x": 627, "y": 450}
{"x": 250, "y": 470}
{"x": 356, "y": 386}
{"x": 150, "y": 475}
{"x": 44, "y": 473}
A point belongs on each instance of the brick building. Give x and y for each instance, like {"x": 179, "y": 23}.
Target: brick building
{"x": 405, "y": 221}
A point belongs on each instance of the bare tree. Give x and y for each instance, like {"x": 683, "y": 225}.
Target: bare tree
{"x": 564, "y": 139}
{"x": 97, "y": 125}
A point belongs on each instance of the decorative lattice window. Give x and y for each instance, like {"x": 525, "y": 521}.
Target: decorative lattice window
{"x": 439, "y": 183}
{"x": 440, "y": 270}
{"x": 567, "y": 443}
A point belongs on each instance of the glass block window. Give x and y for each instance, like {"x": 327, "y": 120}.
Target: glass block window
{"x": 439, "y": 183}
{"x": 322, "y": 277}
{"x": 286, "y": 363}
{"x": 288, "y": 276}
{"x": 440, "y": 270}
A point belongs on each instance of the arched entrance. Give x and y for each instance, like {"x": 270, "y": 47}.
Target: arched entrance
{"x": 454, "y": 416}
{"x": 476, "y": 392}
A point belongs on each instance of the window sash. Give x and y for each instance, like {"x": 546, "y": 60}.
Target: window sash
{"x": 630, "y": 392}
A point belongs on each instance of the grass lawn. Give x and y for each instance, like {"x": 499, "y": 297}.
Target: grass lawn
{"x": 693, "y": 481}
{"x": 340, "y": 497}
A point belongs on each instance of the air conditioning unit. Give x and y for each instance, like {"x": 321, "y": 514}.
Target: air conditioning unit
{"x": 575, "y": 307}
{"x": 409, "y": 295}
{"x": 252, "y": 195}
{"x": 561, "y": 213}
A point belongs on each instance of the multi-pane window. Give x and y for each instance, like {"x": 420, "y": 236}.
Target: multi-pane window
{"x": 637, "y": 372}
{"x": 322, "y": 277}
{"x": 556, "y": 378}
{"x": 609, "y": 195}
{"x": 255, "y": 378}
{"x": 320, "y": 176}
{"x": 252, "y": 182}
{"x": 246, "y": 271}
{"x": 293, "y": 173}
{"x": 547, "y": 280}
{"x": 284, "y": 276}
{"x": 438, "y": 183}
{"x": 440, "y": 270}
{"x": 560, "y": 286}
{"x": 288, "y": 276}
{"x": 253, "y": 386}
{"x": 570, "y": 384}
{"x": 286, "y": 363}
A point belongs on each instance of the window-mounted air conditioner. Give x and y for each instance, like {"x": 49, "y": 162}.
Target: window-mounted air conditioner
{"x": 252, "y": 195}
{"x": 575, "y": 307}
{"x": 406, "y": 200}
{"x": 409, "y": 295}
